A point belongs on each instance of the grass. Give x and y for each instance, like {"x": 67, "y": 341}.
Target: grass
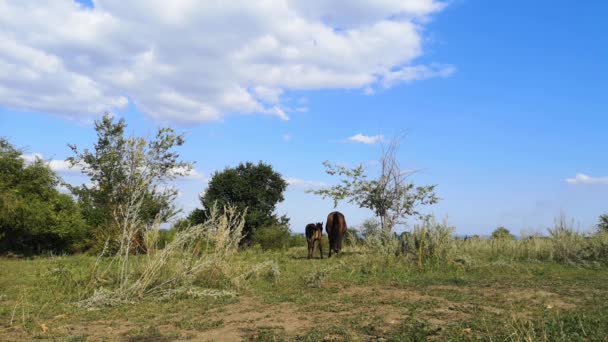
{"x": 359, "y": 295}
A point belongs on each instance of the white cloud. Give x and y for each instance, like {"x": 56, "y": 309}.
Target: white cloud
{"x": 365, "y": 139}
{"x": 31, "y": 157}
{"x": 301, "y": 183}
{"x": 582, "y": 178}
{"x": 185, "y": 174}
{"x": 196, "y": 61}
{"x": 63, "y": 166}
{"x": 417, "y": 73}
{"x": 55, "y": 164}
{"x": 195, "y": 175}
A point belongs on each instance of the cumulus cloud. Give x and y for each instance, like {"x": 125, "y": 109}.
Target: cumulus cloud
{"x": 191, "y": 174}
{"x": 301, "y": 183}
{"x": 365, "y": 139}
{"x": 62, "y": 166}
{"x": 582, "y": 178}
{"x": 417, "y": 73}
{"x": 196, "y": 61}
{"x": 56, "y": 165}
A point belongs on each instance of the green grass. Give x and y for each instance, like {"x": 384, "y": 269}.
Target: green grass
{"x": 360, "y": 296}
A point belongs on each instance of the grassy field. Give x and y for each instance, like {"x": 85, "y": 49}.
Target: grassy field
{"x": 357, "y": 295}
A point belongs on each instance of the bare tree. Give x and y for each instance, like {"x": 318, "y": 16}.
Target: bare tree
{"x": 391, "y": 196}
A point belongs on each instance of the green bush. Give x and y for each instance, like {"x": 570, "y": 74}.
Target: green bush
{"x": 272, "y": 237}
{"x": 502, "y": 233}
{"x": 297, "y": 240}
{"x": 602, "y": 226}
{"x": 34, "y": 216}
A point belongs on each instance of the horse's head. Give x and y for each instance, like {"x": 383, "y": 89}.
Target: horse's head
{"x": 319, "y": 226}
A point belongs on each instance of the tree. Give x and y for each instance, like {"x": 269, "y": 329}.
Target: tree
{"x": 603, "y": 225}
{"x": 197, "y": 216}
{"x": 254, "y": 187}
{"x": 128, "y": 181}
{"x": 502, "y": 233}
{"x": 391, "y": 196}
{"x": 34, "y": 216}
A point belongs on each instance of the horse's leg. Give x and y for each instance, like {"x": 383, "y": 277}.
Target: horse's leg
{"x": 330, "y": 248}
{"x": 309, "y": 248}
{"x": 321, "y": 247}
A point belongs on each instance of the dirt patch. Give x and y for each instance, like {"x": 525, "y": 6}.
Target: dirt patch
{"x": 387, "y": 294}
{"x": 394, "y": 305}
{"x": 248, "y": 314}
{"x": 539, "y": 297}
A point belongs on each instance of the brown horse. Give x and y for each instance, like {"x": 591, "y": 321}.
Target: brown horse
{"x": 314, "y": 232}
{"x": 336, "y": 228}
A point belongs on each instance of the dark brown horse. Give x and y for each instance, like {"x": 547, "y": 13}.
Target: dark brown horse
{"x": 336, "y": 228}
{"x": 314, "y": 232}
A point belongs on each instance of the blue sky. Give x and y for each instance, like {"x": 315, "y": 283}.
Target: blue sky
{"x": 503, "y": 103}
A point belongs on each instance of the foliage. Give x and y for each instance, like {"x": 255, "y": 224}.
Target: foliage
{"x": 256, "y": 187}
{"x": 370, "y": 227}
{"x": 181, "y": 224}
{"x": 34, "y": 216}
{"x": 126, "y": 174}
{"x": 502, "y": 233}
{"x": 352, "y": 238}
{"x": 197, "y": 216}
{"x": 272, "y": 238}
{"x": 297, "y": 240}
{"x": 391, "y": 196}
{"x": 603, "y": 224}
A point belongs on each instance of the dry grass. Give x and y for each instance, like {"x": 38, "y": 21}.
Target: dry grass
{"x": 198, "y": 252}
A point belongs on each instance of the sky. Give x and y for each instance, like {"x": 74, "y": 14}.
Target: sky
{"x": 502, "y": 104}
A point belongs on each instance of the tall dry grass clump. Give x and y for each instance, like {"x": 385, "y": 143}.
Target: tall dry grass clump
{"x": 568, "y": 245}
{"x": 196, "y": 264}
{"x": 430, "y": 242}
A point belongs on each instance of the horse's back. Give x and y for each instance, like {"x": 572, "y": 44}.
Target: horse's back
{"x": 336, "y": 223}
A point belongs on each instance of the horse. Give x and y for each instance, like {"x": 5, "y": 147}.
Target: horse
{"x": 314, "y": 232}
{"x": 336, "y": 228}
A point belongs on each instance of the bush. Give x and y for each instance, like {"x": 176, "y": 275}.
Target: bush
{"x": 502, "y": 233}
{"x": 297, "y": 240}
{"x": 272, "y": 237}
{"x": 602, "y": 226}
{"x": 34, "y": 216}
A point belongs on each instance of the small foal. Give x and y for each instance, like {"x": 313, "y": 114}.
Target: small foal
{"x": 314, "y": 232}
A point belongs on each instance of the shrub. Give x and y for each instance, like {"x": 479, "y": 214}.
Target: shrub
{"x": 352, "y": 238}
{"x": 297, "y": 240}
{"x": 34, "y": 216}
{"x": 602, "y": 226}
{"x": 272, "y": 237}
{"x": 502, "y": 233}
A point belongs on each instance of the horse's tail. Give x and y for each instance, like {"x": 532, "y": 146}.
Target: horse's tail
{"x": 340, "y": 227}
{"x": 309, "y": 232}
{"x": 336, "y": 222}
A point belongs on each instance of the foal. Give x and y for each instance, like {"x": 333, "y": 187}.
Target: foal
{"x": 314, "y": 232}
